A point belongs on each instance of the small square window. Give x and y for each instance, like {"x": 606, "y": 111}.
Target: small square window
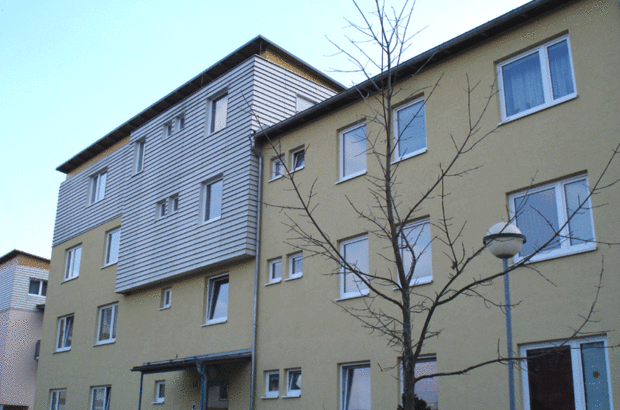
{"x": 272, "y": 383}
{"x": 138, "y": 156}
{"x": 97, "y": 186}
{"x": 410, "y": 127}
{"x": 277, "y": 167}
{"x": 166, "y": 298}
{"x": 296, "y": 265}
{"x": 180, "y": 122}
{"x": 275, "y": 270}
{"x": 58, "y": 399}
{"x": 72, "y": 263}
{"x": 219, "y": 108}
{"x": 112, "y": 246}
{"x": 213, "y": 200}
{"x": 161, "y": 209}
{"x": 174, "y": 203}
{"x": 353, "y": 152}
{"x": 293, "y": 383}
{"x": 168, "y": 129}
{"x": 355, "y": 254}
{"x": 298, "y": 159}
{"x": 106, "y": 332}
{"x": 160, "y": 391}
{"x": 65, "y": 332}
{"x": 37, "y": 287}
{"x": 217, "y": 300}
{"x": 355, "y": 387}
{"x": 100, "y": 398}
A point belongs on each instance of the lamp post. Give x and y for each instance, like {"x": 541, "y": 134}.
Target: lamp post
{"x": 504, "y": 241}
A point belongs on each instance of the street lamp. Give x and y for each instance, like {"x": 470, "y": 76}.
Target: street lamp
{"x": 504, "y": 241}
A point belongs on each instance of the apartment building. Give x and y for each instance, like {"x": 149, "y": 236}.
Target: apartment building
{"x": 153, "y": 260}
{"x": 554, "y": 68}
{"x": 23, "y": 286}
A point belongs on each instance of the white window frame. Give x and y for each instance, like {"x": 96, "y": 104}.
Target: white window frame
{"x": 577, "y": 368}
{"x": 274, "y": 266}
{"x": 159, "y": 397}
{"x": 180, "y": 122}
{"x": 168, "y": 129}
{"x": 108, "y": 259}
{"x": 138, "y": 155}
{"x": 55, "y": 396}
{"x": 72, "y": 262}
{"x": 98, "y": 184}
{"x": 549, "y": 101}
{"x": 421, "y": 111}
{"x": 290, "y": 392}
{"x": 421, "y": 359}
{"x": 302, "y": 103}
{"x": 291, "y": 262}
{"x": 42, "y": 287}
{"x": 161, "y": 209}
{"x": 566, "y": 248}
{"x": 114, "y": 311}
{"x": 426, "y": 229}
{"x": 64, "y": 338}
{"x": 278, "y": 168}
{"x": 166, "y": 299}
{"x": 294, "y": 155}
{"x": 344, "y": 381}
{"x": 211, "y": 302}
{"x": 107, "y": 391}
{"x": 173, "y": 203}
{"x": 341, "y": 154}
{"x": 343, "y": 271}
{"x": 213, "y": 114}
{"x": 272, "y": 394}
{"x": 208, "y": 200}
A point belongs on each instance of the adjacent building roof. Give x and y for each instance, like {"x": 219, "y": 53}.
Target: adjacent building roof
{"x": 192, "y": 361}
{"x": 254, "y": 47}
{"x": 15, "y": 253}
{"x": 412, "y": 66}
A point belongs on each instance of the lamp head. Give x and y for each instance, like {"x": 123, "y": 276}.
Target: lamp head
{"x": 504, "y": 240}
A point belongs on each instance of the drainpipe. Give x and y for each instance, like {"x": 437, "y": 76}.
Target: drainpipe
{"x": 256, "y": 269}
{"x": 203, "y": 385}
{"x": 140, "y": 397}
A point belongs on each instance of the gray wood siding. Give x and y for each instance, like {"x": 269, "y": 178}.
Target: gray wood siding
{"x": 14, "y": 284}
{"x": 6, "y": 287}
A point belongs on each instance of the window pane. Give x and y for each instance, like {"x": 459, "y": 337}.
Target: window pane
{"x": 219, "y": 299}
{"x": 98, "y": 398}
{"x": 419, "y": 238}
{"x": 356, "y": 254}
{"x": 580, "y": 226}
{"x": 427, "y": 389}
{"x": 218, "y": 113}
{"x": 411, "y": 129}
{"x": 34, "y": 287}
{"x": 550, "y": 379}
{"x": 357, "y": 388}
{"x": 274, "y": 382}
{"x": 354, "y": 151}
{"x": 595, "y": 376}
{"x": 297, "y": 264}
{"x": 105, "y": 324}
{"x": 214, "y": 200}
{"x": 299, "y": 159}
{"x": 74, "y": 265}
{"x": 537, "y": 218}
{"x": 114, "y": 239}
{"x": 101, "y": 186}
{"x": 44, "y": 288}
{"x": 276, "y": 270}
{"x": 294, "y": 380}
{"x": 561, "y": 70}
{"x": 68, "y": 331}
{"x": 523, "y": 87}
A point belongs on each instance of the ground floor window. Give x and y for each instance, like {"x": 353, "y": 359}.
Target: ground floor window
{"x": 355, "y": 387}
{"x": 100, "y": 398}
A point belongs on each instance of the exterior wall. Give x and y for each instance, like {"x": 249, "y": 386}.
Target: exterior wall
{"x": 301, "y": 323}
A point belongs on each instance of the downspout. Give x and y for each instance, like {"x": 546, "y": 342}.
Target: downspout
{"x": 203, "y": 385}
{"x": 256, "y": 269}
{"x": 140, "y": 397}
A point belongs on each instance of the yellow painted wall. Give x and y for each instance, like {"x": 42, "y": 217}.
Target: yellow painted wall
{"x": 96, "y": 158}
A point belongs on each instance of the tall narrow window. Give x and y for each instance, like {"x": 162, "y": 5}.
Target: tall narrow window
{"x": 219, "y": 108}
{"x": 298, "y": 159}
{"x": 213, "y": 200}
{"x": 139, "y": 156}
{"x": 275, "y": 270}
{"x": 65, "y": 331}
{"x": 272, "y": 384}
{"x": 106, "y": 332}
{"x": 72, "y": 264}
{"x": 180, "y": 122}
{"x": 355, "y": 387}
{"x": 277, "y": 167}
{"x": 217, "y": 300}
{"x": 166, "y": 298}
{"x": 293, "y": 383}
{"x": 100, "y": 398}
{"x": 168, "y": 129}
{"x": 296, "y": 265}
{"x": 160, "y": 391}
{"x": 97, "y": 186}
{"x": 161, "y": 209}
{"x": 58, "y": 399}
{"x": 427, "y": 389}
{"x": 353, "y": 152}
{"x": 355, "y": 254}
{"x": 415, "y": 246}
{"x": 410, "y": 138}
{"x": 112, "y": 246}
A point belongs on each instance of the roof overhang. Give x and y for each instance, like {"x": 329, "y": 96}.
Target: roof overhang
{"x": 193, "y": 362}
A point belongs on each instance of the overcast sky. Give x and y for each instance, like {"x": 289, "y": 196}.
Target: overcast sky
{"x": 73, "y": 70}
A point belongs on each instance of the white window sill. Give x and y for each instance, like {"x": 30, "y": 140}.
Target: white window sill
{"x": 164, "y": 308}
{"x": 274, "y": 282}
{"x": 349, "y": 177}
{"x": 216, "y": 321}
{"x": 96, "y": 202}
{"x": 575, "y": 250}
{"x": 211, "y": 133}
{"x": 292, "y": 396}
{"x": 297, "y": 169}
{"x": 407, "y": 156}
{"x": 64, "y": 349}
{"x": 537, "y": 109}
{"x": 157, "y": 402}
{"x": 269, "y": 397}
{"x": 70, "y": 279}
{"x": 352, "y": 296}
{"x": 419, "y": 281}
{"x": 208, "y": 221}
{"x": 104, "y": 342}
{"x": 135, "y": 174}
{"x": 37, "y": 295}
{"x": 293, "y": 277}
{"x": 108, "y": 265}
{"x": 276, "y": 178}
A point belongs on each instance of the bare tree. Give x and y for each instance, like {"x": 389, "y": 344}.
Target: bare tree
{"x": 389, "y": 219}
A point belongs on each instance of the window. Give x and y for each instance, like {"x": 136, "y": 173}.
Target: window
{"x": 37, "y": 287}
{"x": 574, "y": 375}
{"x": 168, "y": 129}
{"x": 174, "y": 203}
{"x": 296, "y": 265}
{"x": 277, "y": 167}
{"x": 65, "y": 330}
{"x": 293, "y": 383}
{"x": 275, "y": 270}
{"x": 303, "y": 103}
{"x": 417, "y": 238}
{"x": 167, "y": 206}
{"x": 410, "y": 130}
{"x": 106, "y": 332}
{"x": 138, "y": 156}
{"x": 72, "y": 264}
{"x": 223, "y": 392}
{"x": 355, "y": 254}
{"x": 353, "y": 152}
{"x": 543, "y": 211}
{"x": 97, "y": 186}
{"x": 298, "y": 159}
{"x": 37, "y": 349}
{"x": 112, "y": 246}
{"x": 58, "y": 399}
{"x": 161, "y": 209}
{"x": 166, "y": 298}
{"x": 219, "y": 108}
{"x": 100, "y": 398}
{"x": 536, "y": 79}
{"x": 213, "y": 200}
{"x": 180, "y": 122}
{"x": 272, "y": 383}
{"x": 160, "y": 391}
{"x": 217, "y": 300}
{"x": 427, "y": 389}
{"x": 355, "y": 387}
